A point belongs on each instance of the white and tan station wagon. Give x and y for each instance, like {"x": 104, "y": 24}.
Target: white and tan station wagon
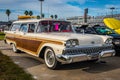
{"x": 56, "y": 42}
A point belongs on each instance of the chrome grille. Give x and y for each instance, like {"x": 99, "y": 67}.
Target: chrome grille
{"x": 88, "y": 50}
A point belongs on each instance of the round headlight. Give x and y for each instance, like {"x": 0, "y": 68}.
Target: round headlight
{"x": 68, "y": 43}
{"x": 71, "y": 43}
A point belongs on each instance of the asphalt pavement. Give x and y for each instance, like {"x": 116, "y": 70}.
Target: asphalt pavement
{"x": 76, "y": 71}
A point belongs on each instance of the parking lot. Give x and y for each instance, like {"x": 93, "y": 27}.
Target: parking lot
{"x": 76, "y": 71}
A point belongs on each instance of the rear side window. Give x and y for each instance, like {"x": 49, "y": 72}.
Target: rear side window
{"x": 15, "y": 27}
{"x": 31, "y": 28}
{"x": 24, "y": 28}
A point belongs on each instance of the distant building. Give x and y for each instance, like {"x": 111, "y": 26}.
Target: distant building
{"x": 78, "y": 19}
{"x": 91, "y": 19}
{"x": 100, "y": 18}
{"x": 5, "y": 25}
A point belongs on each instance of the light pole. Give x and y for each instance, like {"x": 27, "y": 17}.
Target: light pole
{"x": 112, "y": 8}
{"x": 41, "y": 7}
{"x": 85, "y": 15}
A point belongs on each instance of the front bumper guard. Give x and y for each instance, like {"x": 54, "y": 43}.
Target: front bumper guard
{"x": 84, "y": 57}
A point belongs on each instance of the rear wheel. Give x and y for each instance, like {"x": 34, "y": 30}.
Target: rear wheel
{"x": 50, "y": 59}
{"x": 14, "y": 48}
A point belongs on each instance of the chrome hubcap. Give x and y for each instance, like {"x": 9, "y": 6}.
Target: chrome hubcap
{"x": 49, "y": 58}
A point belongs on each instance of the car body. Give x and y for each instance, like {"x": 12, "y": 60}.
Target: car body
{"x": 102, "y": 30}
{"x": 56, "y": 42}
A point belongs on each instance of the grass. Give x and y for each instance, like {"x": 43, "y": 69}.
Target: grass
{"x": 2, "y": 35}
{"x": 11, "y": 71}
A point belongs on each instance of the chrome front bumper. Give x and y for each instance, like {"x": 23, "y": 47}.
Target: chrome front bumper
{"x": 84, "y": 57}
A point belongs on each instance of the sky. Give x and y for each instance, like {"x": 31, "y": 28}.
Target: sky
{"x": 62, "y": 8}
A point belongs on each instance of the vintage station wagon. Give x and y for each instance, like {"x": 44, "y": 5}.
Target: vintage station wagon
{"x": 56, "y": 42}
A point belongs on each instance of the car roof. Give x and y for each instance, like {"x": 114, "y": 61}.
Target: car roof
{"x": 35, "y": 20}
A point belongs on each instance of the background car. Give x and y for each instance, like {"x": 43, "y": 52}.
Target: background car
{"x": 113, "y": 24}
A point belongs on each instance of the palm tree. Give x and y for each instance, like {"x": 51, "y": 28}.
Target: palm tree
{"x": 8, "y": 12}
{"x": 26, "y": 12}
{"x": 30, "y": 13}
{"x": 56, "y": 16}
{"x": 52, "y": 16}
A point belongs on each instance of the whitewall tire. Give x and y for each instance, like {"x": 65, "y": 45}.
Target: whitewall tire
{"x": 50, "y": 59}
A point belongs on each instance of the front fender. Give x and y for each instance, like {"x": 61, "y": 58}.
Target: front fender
{"x": 58, "y": 49}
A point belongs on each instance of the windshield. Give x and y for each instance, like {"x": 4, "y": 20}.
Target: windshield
{"x": 103, "y": 30}
{"x": 54, "y": 26}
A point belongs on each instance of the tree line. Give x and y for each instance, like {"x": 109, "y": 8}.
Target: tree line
{"x": 30, "y": 13}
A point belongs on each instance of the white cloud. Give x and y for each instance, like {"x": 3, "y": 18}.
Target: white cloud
{"x": 3, "y": 16}
{"x": 81, "y": 1}
{"x": 92, "y": 1}
{"x": 98, "y": 11}
{"x": 51, "y": 7}
{"x": 78, "y": 1}
{"x": 61, "y": 8}
{"x": 6, "y": 1}
{"x": 115, "y": 11}
{"x": 111, "y": 5}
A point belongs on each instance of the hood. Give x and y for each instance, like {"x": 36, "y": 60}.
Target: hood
{"x": 105, "y": 37}
{"x": 84, "y": 39}
{"x": 113, "y": 23}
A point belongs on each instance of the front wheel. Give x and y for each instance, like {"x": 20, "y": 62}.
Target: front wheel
{"x": 50, "y": 59}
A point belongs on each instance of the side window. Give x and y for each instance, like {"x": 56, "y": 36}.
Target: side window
{"x": 42, "y": 28}
{"x": 31, "y": 28}
{"x": 24, "y": 28}
{"x": 90, "y": 30}
{"x": 15, "y": 27}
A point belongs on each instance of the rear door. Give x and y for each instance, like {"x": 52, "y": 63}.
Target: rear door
{"x": 30, "y": 41}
